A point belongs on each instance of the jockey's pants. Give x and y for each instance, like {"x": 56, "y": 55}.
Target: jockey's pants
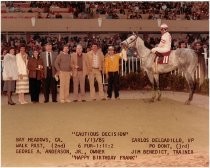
{"x": 160, "y": 49}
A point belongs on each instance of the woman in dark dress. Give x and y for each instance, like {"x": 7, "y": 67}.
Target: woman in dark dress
{"x": 36, "y": 72}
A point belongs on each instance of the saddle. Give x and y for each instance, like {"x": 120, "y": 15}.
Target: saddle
{"x": 162, "y": 58}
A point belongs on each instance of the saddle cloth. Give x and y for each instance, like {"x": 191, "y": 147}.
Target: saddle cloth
{"x": 162, "y": 58}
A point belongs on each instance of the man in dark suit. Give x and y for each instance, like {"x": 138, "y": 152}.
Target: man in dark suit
{"x": 49, "y": 82}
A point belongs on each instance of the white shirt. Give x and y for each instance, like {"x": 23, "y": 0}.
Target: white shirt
{"x": 47, "y": 58}
{"x": 165, "y": 41}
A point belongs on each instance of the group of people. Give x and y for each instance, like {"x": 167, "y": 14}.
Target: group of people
{"x": 167, "y": 10}
{"x": 25, "y": 74}
{"x": 46, "y": 67}
{"x": 16, "y": 77}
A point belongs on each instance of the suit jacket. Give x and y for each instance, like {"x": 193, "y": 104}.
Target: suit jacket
{"x": 33, "y": 64}
{"x": 90, "y": 60}
{"x": 74, "y": 63}
{"x": 44, "y": 58}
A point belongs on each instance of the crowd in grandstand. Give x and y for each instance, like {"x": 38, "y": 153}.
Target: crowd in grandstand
{"x": 38, "y": 41}
{"x": 114, "y": 10}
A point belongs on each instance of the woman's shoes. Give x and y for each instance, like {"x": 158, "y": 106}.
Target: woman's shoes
{"x": 11, "y": 103}
{"x": 23, "y": 102}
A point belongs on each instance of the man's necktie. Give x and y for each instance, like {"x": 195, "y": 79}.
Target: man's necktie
{"x": 49, "y": 60}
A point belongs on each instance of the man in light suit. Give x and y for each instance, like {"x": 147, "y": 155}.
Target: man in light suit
{"x": 49, "y": 82}
{"x": 95, "y": 65}
{"x": 79, "y": 70}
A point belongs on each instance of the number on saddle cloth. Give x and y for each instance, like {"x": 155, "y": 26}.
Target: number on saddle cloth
{"x": 162, "y": 57}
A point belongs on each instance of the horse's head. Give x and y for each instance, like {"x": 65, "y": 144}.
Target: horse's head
{"x": 129, "y": 42}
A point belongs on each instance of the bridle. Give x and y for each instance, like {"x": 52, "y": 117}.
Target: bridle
{"x": 134, "y": 40}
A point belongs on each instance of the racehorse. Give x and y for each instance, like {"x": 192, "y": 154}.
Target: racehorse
{"x": 184, "y": 59}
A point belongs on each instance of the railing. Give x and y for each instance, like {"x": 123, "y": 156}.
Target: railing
{"x": 132, "y": 65}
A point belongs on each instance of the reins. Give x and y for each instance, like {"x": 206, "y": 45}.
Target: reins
{"x": 132, "y": 40}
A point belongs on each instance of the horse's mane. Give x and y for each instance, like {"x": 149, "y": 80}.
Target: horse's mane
{"x": 142, "y": 49}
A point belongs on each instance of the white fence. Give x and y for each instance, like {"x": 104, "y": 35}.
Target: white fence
{"x": 133, "y": 66}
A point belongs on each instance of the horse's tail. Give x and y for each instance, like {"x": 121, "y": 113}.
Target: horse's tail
{"x": 189, "y": 55}
{"x": 201, "y": 65}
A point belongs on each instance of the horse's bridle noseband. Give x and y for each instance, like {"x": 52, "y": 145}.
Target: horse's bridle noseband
{"x": 134, "y": 40}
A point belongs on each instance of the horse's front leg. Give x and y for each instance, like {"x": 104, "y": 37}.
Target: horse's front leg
{"x": 158, "y": 92}
{"x": 153, "y": 94}
{"x": 151, "y": 79}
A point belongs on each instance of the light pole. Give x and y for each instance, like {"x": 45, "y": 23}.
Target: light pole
{"x": 100, "y": 22}
{"x": 33, "y": 21}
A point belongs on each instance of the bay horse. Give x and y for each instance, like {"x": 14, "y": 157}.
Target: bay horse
{"x": 184, "y": 59}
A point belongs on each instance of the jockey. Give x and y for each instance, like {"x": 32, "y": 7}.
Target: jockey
{"x": 165, "y": 42}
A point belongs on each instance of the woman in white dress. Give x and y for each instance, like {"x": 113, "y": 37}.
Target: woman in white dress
{"x": 22, "y": 84}
{"x": 10, "y": 74}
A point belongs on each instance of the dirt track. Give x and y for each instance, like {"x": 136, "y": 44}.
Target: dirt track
{"x": 198, "y": 100}
{"x": 165, "y": 119}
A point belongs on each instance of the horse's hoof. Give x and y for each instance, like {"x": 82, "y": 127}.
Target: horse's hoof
{"x": 159, "y": 98}
{"x": 187, "y": 102}
{"x": 152, "y": 100}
